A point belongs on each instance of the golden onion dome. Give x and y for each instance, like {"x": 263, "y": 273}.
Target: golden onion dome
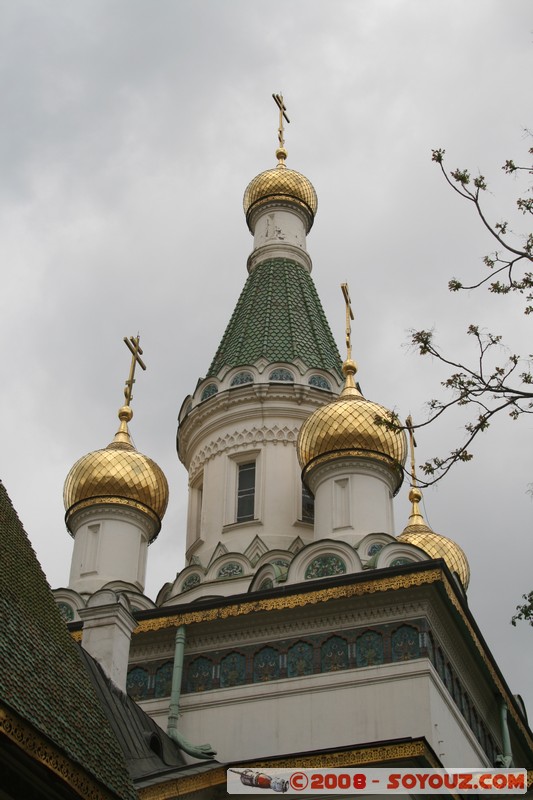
{"x": 281, "y": 184}
{"x": 350, "y": 427}
{"x": 117, "y": 475}
{"x": 435, "y": 545}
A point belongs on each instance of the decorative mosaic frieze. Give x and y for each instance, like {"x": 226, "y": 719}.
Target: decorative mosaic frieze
{"x": 266, "y": 665}
{"x": 233, "y": 441}
{"x": 369, "y": 649}
{"x": 334, "y": 654}
{"x": 190, "y": 581}
{"x": 232, "y": 670}
{"x": 200, "y": 675}
{"x": 358, "y": 647}
{"x": 163, "y": 680}
{"x": 66, "y": 611}
{"x": 300, "y": 660}
{"x": 323, "y": 566}
{"x": 230, "y": 570}
{"x": 137, "y": 683}
{"x": 404, "y": 643}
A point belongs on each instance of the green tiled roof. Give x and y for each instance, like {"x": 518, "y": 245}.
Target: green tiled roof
{"x": 278, "y": 317}
{"x": 42, "y": 677}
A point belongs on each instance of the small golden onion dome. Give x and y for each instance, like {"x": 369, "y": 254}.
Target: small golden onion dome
{"x": 434, "y": 544}
{"x": 281, "y": 184}
{"x": 117, "y": 475}
{"x": 349, "y": 427}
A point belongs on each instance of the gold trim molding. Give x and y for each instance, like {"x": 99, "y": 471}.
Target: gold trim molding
{"x": 41, "y": 750}
{"x": 354, "y": 757}
{"x": 291, "y": 601}
{"x": 182, "y": 786}
{"x": 359, "y": 756}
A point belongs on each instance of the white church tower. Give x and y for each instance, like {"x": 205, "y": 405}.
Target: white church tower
{"x": 276, "y": 364}
{"x": 115, "y": 499}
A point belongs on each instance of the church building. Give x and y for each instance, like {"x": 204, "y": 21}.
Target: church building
{"x": 307, "y": 628}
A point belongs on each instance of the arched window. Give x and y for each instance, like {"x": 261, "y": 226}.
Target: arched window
{"x": 308, "y": 505}
{"x": 319, "y": 383}
{"x": 190, "y": 581}
{"x": 281, "y": 374}
{"x": 241, "y": 378}
{"x": 209, "y": 391}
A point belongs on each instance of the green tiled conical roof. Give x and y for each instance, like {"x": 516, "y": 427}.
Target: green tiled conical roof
{"x": 278, "y": 317}
{"x": 42, "y": 677}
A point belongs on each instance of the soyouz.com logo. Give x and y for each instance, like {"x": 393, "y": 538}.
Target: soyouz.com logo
{"x": 353, "y": 781}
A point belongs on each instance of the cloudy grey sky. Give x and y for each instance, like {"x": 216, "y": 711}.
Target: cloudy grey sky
{"x": 129, "y": 132}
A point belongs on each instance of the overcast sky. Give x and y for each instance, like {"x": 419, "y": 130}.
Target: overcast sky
{"x": 129, "y": 132}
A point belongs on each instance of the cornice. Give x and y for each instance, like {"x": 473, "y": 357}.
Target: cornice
{"x": 104, "y": 508}
{"x": 294, "y": 400}
{"x": 300, "y": 599}
{"x": 354, "y": 756}
{"x": 178, "y": 787}
{"x": 239, "y": 439}
{"x": 301, "y": 627}
{"x": 417, "y": 748}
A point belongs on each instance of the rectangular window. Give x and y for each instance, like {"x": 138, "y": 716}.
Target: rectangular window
{"x": 308, "y": 505}
{"x": 90, "y": 554}
{"x": 246, "y": 492}
{"x": 341, "y": 500}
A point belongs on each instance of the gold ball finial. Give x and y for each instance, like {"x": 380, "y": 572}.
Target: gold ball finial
{"x": 415, "y": 495}
{"x": 349, "y": 367}
{"x": 125, "y": 413}
{"x": 281, "y": 155}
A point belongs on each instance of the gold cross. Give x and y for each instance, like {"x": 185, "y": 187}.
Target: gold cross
{"x": 278, "y": 99}
{"x": 349, "y": 316}
{"x": 412, "y": 442}
{"x": 133, "y": 346}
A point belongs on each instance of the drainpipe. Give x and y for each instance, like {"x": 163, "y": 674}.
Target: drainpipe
{"x": 197, "y": 751}
{"x": 505, "y": 759}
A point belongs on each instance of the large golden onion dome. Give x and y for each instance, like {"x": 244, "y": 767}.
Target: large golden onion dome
{"x": 281, "y": 184}
{"x": 350, "y": 426}
{"x": 117, "y": 475}
{"x": 434, "y": 544}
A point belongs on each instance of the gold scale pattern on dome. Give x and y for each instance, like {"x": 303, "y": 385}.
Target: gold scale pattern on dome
{"x": 119, "y": 474}
{"x": 351, "y": 425}
{"x": 281, "y": 183}
{"x": 418, "y": 533}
